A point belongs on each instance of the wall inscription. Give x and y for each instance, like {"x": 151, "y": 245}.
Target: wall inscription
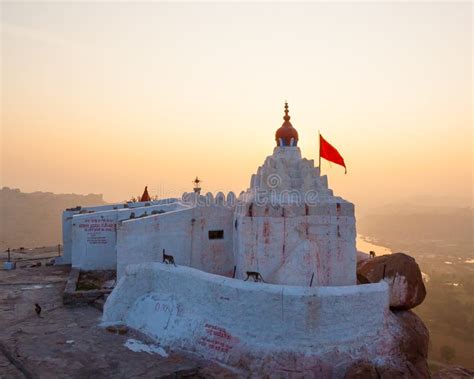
{"x": 98, "y": 229}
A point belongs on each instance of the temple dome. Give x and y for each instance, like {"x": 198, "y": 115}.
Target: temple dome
{"x": 286, "y": 135}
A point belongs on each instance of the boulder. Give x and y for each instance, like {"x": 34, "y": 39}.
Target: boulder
{"x": 408, "y": 358}
{"x": 403, "y": 275}
{"x": 362, "y": 370}
{"x": 361, "y": 256}
{"x": 413, "y": 339}
{"x": 454, "y": 372}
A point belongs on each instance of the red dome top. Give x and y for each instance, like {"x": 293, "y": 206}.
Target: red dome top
{"x": 286, "y": 135}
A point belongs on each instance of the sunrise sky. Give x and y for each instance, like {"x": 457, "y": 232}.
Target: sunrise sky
{"x": 110, "y": 97}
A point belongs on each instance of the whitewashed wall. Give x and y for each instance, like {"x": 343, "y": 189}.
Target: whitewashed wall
{"x": 94, "y": 240}
{"x": 288, "y": 244}
{"x": 68, "y": 214}
{"x": 94, "y": 234}
{"x": 66, "y": 257}
{"x": 183, "y": 234}
{"x": 226, "y": 319}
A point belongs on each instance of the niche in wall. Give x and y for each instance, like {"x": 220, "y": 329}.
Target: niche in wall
{"x": 216, "y": 234}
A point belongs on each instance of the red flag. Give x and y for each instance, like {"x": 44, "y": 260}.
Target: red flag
{"x": 330, "y": 153}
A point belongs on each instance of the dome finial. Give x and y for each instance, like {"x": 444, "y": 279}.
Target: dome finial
{"x": 286, "y": 135}
{"x": 286, "y": 117}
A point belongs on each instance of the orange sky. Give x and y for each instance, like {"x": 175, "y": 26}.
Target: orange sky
{"x": 109, "y": 97}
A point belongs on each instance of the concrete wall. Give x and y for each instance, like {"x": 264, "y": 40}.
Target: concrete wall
{"x": 288, "y": 244}
{"x": 183, "y": 234}
{"x": 68, "y": 214}
{"x": 225, "y": 319}
{"x": 94, "y": 235}
{"x": 94, "y": 240}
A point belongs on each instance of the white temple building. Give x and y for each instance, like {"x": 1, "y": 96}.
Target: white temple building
{"x": 287, "y": 225}
{"x": 287, "y": 230}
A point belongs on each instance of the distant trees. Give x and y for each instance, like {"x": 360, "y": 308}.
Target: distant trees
{"x": 447, "y": 353}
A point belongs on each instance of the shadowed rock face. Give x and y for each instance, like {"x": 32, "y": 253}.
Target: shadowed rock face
{"x": 362, "y": 370}
{"x": 408, "y": 359}
{"x": 413, "y": 343}
{"x": 402, "y": 273}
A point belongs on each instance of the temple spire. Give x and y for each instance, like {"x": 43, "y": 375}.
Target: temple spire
{"x": 286, "y": 117}
{"x": 286, "y": 135}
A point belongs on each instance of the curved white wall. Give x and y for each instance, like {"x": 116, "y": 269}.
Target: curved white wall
{"x": 225, "y": 319}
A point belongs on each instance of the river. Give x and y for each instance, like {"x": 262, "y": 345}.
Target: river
{"x": 365, "y": 244}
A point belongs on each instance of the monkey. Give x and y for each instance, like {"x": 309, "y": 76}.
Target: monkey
{"x": 255, "y": 275}
{"x": 168, "y": 259}
{"x": 38, "y": 309}
{"x": 372, "y": 254}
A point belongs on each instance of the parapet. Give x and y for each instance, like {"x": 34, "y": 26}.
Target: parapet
{"x": 193, "y": 199}
{"x": 334, "y": 207}
{"x": 178, "y": 307}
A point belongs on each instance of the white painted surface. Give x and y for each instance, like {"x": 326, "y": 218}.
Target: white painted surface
{"x": 139, "y": 346}
{"x": 184, "y": 234}
{"x": 298, "y": 232}
{"x": 94, "y": 234}
{"x": 227, "y": 319}
{"x": 290, "y": 227}
{"x": 68, "y": 214}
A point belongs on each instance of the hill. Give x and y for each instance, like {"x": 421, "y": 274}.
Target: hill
{"x": 34, "y": 219}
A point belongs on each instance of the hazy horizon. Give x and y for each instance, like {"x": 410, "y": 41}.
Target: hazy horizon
{"x": 110, "y": 97}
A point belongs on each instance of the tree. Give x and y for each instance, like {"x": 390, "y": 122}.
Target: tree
{"x": 447, "y": 353}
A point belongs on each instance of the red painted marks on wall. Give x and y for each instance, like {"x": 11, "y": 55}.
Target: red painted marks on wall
{"x": 217, "y": 339}
{"x": 266, "y": 232}
{"x": 318, "y": 266}
{"x": 307, "y": 259}
{"x": 97, "y": 225}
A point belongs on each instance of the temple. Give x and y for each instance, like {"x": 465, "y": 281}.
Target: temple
{"x": 287, "y": 231}
{"x": 287, "y": 225}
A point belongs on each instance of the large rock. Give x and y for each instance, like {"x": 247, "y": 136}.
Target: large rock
{"x": 402, "y": 273}
{"x": 362, "y": 370}
{"x": 413, "y": 343}
{"x": 408, "y": 357}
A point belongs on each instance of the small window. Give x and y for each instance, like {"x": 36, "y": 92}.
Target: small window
{"x": 216, "y": 234}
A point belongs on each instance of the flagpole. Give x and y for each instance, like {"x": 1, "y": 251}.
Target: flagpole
{"x": 319, "y": 139}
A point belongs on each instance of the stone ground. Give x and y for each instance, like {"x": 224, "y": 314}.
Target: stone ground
{"x": 68, "y": 343}
{"x": 27, "y": 257}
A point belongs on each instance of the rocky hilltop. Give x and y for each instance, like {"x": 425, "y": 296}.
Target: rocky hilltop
{"x": 34, "y": 219}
